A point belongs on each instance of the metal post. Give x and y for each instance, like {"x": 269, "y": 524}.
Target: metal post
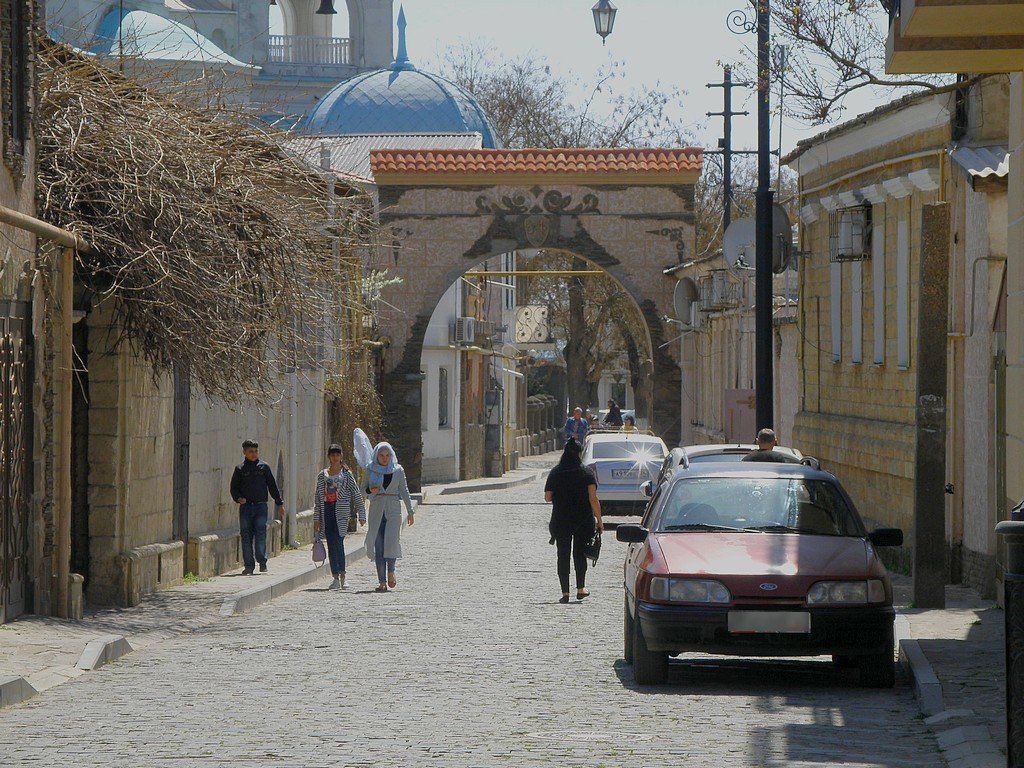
{"x": 1013, "y": 596}
{"x": 725, "y": 143}
{"x": 763, "y": 226}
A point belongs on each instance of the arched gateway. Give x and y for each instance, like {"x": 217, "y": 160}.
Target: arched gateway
{"x": 628, "y": 211}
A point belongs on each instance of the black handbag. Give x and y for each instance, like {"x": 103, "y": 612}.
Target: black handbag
{"x": 592, "y": 549}
{"x": 352, "y": 524}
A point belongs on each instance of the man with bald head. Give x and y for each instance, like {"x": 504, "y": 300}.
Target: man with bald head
{"x": 766, "y": 442}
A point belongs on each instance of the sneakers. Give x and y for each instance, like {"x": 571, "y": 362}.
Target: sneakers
{"x": 338, "y": 583}
{"x": 263, "y": 567}
{"x": 247, "y": 571}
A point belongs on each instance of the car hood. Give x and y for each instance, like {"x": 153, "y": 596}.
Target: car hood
{"x": 744, "y": 560}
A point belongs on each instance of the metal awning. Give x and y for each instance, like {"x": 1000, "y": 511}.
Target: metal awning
{"x": 982, "y": 162}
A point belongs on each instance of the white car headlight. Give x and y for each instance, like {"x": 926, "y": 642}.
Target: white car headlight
{"x": 846, "y": 592}
{"x": 689, "y": 591}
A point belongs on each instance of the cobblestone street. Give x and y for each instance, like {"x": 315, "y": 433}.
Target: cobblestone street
{"x": 471, "y": 662}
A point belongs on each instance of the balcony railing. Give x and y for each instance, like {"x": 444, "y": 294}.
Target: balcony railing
{"x": 301, "y": 49}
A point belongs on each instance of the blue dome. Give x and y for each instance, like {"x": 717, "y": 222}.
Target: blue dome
{"x": 400, "y": 99}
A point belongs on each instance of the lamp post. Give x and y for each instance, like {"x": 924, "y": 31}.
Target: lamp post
{"x": 739, "y": 22}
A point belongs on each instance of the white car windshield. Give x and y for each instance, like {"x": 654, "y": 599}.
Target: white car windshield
{"x": 635, "y": 450}
{"x": 758, "y": 505}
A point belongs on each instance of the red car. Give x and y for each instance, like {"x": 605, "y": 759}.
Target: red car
{"x": 757, "y": 560}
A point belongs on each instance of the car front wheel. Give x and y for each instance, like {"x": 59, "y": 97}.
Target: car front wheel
{"x": 627, "y": 632}
{"x": 649, "y": 667}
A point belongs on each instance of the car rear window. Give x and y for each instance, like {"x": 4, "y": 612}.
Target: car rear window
{"x": 629, "y": 449}
{"x": 758, "y": 505}
{"x": 718, "y": 457}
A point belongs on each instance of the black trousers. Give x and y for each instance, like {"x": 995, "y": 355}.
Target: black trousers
{"x": 570, "y": 539}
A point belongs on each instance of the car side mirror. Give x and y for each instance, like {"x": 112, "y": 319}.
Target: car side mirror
{"x": 648, "y": 488}
{"x": 631, "y": 533}
{"x": 886, "y": 537}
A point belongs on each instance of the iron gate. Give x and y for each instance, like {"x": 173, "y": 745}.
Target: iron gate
{"x": 15, "y": 456}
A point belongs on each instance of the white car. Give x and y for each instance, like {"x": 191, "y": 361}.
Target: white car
{"x": 623, "y": 463}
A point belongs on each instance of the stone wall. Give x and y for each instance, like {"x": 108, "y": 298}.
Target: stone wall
{"x": 131, "y": 443}
{"x": 131, "y": 438}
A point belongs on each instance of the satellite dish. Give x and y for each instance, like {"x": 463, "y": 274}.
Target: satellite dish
{"x": 738, "y": 244}
{"x": 683, "y": 298}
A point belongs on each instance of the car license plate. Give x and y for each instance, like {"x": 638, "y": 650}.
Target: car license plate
{"x": 749, "y": 622}
{"x": 625, "y": 473}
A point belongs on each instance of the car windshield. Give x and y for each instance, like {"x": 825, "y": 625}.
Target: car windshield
{"x": 635, "y": 450}
{"x": 758, "y": 505}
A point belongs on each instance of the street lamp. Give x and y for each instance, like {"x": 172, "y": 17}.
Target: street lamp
{"x": 604, "y": 18}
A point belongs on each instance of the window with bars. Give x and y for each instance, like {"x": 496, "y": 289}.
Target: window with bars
{"x": 15, "y": 29}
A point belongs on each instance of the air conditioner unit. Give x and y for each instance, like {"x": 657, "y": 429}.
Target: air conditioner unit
{"x": 718, "y": 291}
{"x": 464, "y": 330}
{"x": 849, "y": 234}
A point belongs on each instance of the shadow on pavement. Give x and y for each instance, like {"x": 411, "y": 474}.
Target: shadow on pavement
{"x": 743, "y": 677}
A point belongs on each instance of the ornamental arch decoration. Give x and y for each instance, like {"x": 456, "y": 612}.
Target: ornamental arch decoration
{"x": 630, "y": 212}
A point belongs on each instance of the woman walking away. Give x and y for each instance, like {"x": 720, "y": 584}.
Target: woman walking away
{"x": 388, "y": 490}
{"x": 337, "y": 500}
{"x": 575, "y": 515}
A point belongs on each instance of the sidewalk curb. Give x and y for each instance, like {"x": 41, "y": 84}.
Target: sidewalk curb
{"x": 498, "y": 485}
{"x": 927, "y": 688}
{"x": 14, "y": 690}
{"x": 242, "y": 602}
{"x": 103, "y": 650}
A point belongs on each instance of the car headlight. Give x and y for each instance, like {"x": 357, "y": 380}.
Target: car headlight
{"x": 689, "y": 590}
{"x": 846, "y": 592}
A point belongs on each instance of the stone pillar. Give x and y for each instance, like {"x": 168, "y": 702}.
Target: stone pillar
{"x": 930, "y": 551}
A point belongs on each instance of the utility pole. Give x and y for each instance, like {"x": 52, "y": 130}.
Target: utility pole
{"x": 763, "y": 226}
{"x": 725, "y": 143}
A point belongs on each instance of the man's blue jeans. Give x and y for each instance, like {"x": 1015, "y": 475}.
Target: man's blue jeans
{"x": 252, "y": 524}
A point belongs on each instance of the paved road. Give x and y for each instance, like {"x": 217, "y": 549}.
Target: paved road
{"x": 471, "y": 662}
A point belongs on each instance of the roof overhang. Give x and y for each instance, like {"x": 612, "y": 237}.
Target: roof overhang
{"x": 587, "y": 167}
{"x": 949, "y": 36}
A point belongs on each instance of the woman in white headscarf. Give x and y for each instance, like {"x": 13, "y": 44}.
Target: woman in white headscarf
{"x": 388, "y": 491}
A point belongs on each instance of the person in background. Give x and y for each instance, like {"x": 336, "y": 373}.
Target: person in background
{"x": 765, "y": 451}
{"x": 571, "y": 488}
{"x": 336, "y": 501}
{"x": 614, "y": 416}
{"x": 628, "y": 423}
{"x": 251, "y": 483}
{"x": 388, "y": 490}
{"x": 577, "y": 427}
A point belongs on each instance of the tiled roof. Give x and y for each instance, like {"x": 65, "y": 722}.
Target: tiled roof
{"x": 533, "y": 161}
{"x": 350, "y": 155}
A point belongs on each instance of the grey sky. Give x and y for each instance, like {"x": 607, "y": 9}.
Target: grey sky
{"x": 672, "y": 42}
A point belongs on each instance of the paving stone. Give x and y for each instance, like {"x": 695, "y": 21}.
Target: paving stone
{"x": 470, "y": 662}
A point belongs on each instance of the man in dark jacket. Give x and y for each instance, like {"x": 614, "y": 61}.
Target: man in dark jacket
{"x": 766, "y": 442}
{"x": 251, "y": 483}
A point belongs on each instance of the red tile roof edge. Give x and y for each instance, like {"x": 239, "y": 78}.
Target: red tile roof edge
{"x": 536, "y": 160}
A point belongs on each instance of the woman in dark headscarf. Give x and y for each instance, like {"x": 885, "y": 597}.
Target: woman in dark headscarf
{"x": 576, "y": 513}
{"x": 614, "y": 416}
